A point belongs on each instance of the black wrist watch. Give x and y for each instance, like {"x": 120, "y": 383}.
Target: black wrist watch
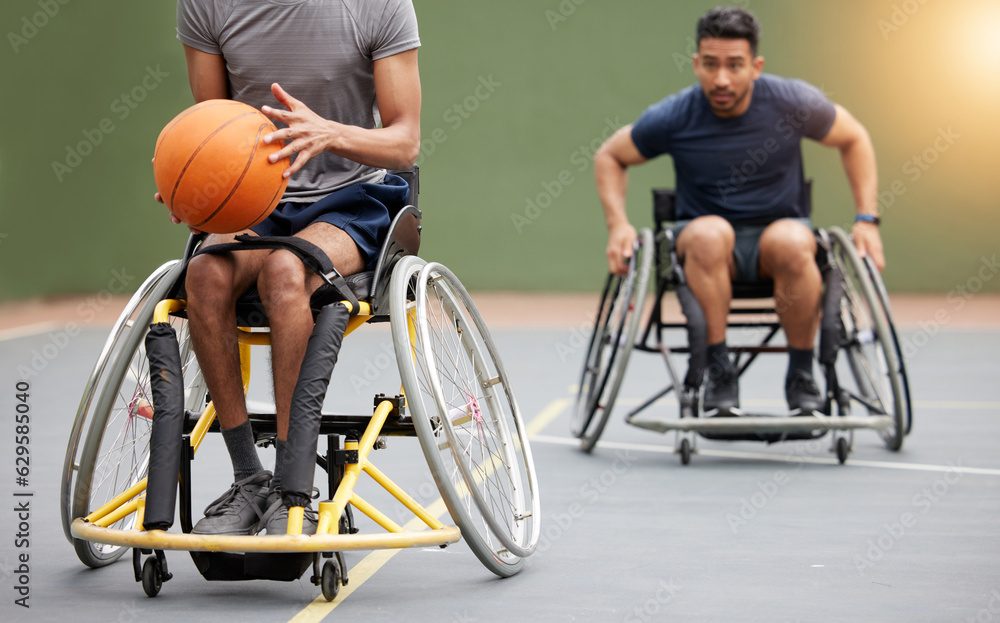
{"x": 867, "y": 218}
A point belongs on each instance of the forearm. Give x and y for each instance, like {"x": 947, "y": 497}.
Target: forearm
{"x": 858, "y": 159}
{"x": 395, "y": 147}
{"x": 612, "y": 183}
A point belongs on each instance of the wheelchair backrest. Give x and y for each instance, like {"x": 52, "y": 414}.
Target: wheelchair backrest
{"x": 665, "y": 209}
{"x": 403, "y": 239}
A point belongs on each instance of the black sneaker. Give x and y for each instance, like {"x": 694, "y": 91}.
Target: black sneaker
{"x": 802, "y": 393}
{"x": 275, "y": 519}
{"x": 722, "y": 393}
{"x": 238, "y": 510}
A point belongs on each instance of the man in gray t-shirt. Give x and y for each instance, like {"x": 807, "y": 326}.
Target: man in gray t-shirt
{"x": 340, "y": 79}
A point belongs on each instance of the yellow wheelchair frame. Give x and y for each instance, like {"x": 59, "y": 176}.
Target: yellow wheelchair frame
{"x": 425, "y": 300}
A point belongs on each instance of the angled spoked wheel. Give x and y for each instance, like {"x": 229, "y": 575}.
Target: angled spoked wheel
{"x": 108, "y": 449}
{"x": 611, "y": 344}
{"x": 465, "y": 414}
{"x": 873, "y": 353}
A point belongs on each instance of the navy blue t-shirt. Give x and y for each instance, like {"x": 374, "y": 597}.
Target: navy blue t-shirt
{"x": 748, "y": 168}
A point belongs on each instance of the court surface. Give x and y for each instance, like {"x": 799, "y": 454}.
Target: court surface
{"x": 747, "y": 532}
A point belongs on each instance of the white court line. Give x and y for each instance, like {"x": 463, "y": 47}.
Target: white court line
{"x": 760, "y": 456}
{"x": 27, "y": 330}
{"x": 961, "y": 405}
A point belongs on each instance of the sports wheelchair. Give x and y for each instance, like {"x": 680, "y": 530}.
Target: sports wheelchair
{"x": 856, "y": 323}
{"x": 145, "y": 411}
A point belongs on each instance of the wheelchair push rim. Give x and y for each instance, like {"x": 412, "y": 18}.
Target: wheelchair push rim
{"x": 466, "y": 417}
{"x": 611, "y": 344}
{"x": 115, "y": 453}
{"x": 871, "y": 349}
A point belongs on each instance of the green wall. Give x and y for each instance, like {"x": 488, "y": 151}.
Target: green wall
{"x": 516, "y": 95}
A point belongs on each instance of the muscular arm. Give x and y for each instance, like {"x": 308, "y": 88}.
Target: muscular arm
{"x": 611, "y": 164}
{"x": 858, "y": 156}
{"x": 208, "y": 80}
{"x": 206, "y": 74}
{"x": 393, "y": 146}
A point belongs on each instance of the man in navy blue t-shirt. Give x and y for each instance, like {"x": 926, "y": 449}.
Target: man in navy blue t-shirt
{"x": 742, "y": 207}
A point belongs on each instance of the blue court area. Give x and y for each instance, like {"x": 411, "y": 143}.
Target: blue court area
{"x": 746, "y": 532}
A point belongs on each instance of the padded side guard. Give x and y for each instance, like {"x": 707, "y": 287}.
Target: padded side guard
{"x": 307, "y": 402}
{"x": 167, "y": 384}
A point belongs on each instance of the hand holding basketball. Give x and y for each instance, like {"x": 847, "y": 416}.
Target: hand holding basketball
{"x": 212, "y": 170}
{"x": 307, "y": 133}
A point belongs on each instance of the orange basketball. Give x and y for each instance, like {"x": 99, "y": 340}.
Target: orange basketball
{"x": 211, "y": 167}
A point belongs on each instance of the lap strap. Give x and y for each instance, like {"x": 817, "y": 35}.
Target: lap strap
{"x": 313, "y": 257}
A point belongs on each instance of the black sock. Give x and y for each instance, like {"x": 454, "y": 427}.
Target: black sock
{"x": 800, "y": 360}
{"x": 242, "y": 452}
{"x": 719, "y": 361}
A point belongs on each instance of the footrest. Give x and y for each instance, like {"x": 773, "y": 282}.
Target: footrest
{"x": 229, "y": 567}
{"x": 756, "y": 424}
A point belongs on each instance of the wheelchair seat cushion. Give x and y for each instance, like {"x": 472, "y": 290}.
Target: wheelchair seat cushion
{"x": 250, "y": 311}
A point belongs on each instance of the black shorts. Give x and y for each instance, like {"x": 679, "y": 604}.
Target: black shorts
{"x": 361, "y": 210}
{"x": 746, "y": 248}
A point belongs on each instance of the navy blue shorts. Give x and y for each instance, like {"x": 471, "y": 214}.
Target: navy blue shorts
{"x": 746, "y": 249}
{"x": 361, "y": 210}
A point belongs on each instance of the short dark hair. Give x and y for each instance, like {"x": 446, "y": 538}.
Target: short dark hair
{"x": 729, "y": 22}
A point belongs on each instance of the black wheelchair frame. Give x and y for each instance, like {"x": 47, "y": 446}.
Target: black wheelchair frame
{"x": 856, "y": 321}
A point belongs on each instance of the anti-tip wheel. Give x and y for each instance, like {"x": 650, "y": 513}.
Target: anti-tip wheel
{"x": 685, "y": 452}
{"x": 843, "y": 450}
{"x": 152, "y": 576}
{"x": 330, "y": 580}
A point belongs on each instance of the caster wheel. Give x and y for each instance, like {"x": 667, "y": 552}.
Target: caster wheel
{"x": 843, "y": 449}
{"x": 330, "y": 580}
{"x": 152, "y": 576}
{"x": 685, "y": 452}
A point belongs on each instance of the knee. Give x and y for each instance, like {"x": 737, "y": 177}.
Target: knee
{"x": 707, "y": 241}
{"x": 282, "y": 277}
{"x": 788, "y": 247}
{"x": 209, "y": 280}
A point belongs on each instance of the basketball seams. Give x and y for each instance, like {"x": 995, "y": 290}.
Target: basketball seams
{"x": 188, "y": 112}
{"x": 246, "y": 167}
{"x": 194, "y": 155}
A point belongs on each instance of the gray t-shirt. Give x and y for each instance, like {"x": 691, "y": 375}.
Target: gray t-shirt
{"x": 320, "y": 51}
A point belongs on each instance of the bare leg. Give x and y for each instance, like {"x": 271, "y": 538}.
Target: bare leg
{"x": 787, "y": 256}
{"x": 285, "y": 288}
{"x": 213, "y": 284}
{"x": 706, "y": 248}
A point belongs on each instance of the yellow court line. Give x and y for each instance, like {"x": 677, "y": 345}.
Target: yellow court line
{"x": 319, "y": 608}
{"x": 28, "y": 330}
